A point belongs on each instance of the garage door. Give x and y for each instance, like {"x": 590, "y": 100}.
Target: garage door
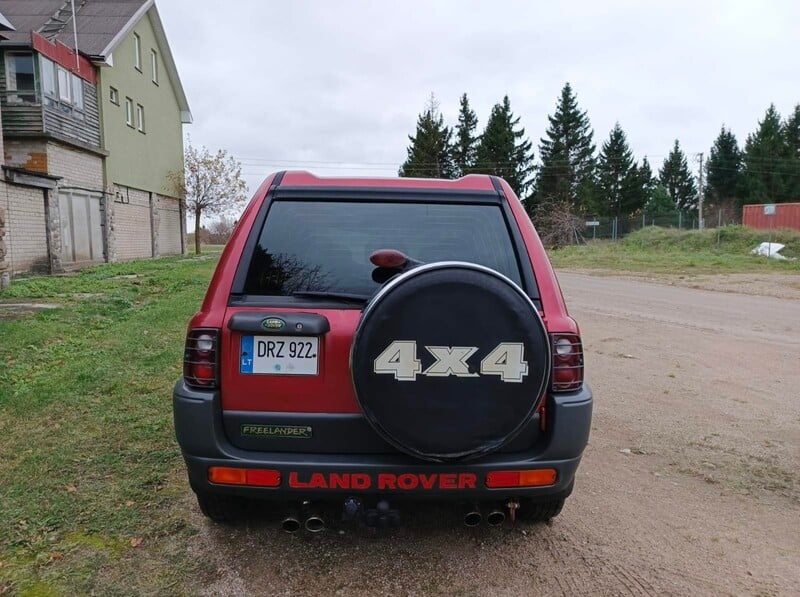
{"x": 81, "y": 227}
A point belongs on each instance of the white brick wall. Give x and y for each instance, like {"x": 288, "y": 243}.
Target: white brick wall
{"x": 169, "y": 226}
{"x": 26, "y": 236}
{"x": 78, "y": 168}
{"x": 132, "y": 224}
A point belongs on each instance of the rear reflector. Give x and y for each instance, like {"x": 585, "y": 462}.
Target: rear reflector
{"x": 255, "y": 477}
{"x": 535, "y": 478}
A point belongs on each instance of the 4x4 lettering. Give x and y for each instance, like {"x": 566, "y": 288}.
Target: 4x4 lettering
{"x": 450, "y": 360}
{"x": 506, "y": 361}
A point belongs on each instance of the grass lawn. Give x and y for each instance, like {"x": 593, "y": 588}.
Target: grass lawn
{"x": 664, "y": 250}
{"x": 93, "y": 497}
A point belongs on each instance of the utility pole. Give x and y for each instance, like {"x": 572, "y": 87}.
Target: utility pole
{"x": 700, "y": 220}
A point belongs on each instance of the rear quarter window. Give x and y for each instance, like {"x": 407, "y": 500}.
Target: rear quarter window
{"x": 324, "y": 246}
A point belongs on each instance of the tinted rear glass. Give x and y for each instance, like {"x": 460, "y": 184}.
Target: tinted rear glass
{"x": 325, "y": 246}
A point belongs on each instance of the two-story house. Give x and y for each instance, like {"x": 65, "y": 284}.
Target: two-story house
{"x": 5, "y": 275}
{"x": 95, "y": 131}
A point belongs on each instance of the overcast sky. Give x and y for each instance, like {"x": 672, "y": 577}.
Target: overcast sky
{"x": 336, "y": 87}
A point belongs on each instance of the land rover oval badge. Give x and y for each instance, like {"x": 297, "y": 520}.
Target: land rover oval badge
{"x": 273, "y": 323}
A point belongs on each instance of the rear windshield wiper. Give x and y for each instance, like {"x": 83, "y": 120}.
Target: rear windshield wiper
{"x": 341, "y": 296}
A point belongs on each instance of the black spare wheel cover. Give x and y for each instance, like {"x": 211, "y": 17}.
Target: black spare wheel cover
{"x": 450, "y": 361}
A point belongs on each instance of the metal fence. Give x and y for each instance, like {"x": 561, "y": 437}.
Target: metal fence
{"x": 615, "y": 227}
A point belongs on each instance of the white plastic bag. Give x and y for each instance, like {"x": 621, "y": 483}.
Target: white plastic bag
{"x": 769, "y": 250}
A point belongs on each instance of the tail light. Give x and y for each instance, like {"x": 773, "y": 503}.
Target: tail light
{"x": 567, "y": 362}
{"x": 200, "y": 362}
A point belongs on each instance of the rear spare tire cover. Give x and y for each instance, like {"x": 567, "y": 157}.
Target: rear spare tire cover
{"x": 450, "y": 361}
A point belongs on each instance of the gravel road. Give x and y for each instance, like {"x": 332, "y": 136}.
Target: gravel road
{"x": 689, "y": 484}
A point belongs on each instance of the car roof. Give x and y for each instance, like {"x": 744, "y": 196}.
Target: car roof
{"x": 471, "y": 182}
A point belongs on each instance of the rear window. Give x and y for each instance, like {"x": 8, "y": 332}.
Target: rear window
{"x": 325, "y": 246}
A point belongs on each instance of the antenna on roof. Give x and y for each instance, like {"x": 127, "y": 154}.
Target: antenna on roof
{"x": 75, "y": 35}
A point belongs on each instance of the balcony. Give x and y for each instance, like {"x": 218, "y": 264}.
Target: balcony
{"x": 22, "y": 112}
{"x": 27, "y": 113}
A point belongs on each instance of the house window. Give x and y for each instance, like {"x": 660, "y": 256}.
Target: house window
{"x": 49, "y": 86}
{"x": 77, "y": 94}
{"x": 113, "y": 95}
{"x": 154, "y": 64}
{"x": 129, "y": 112}
{"x": 61, "y": 89}
{"x": 20, "y": 78}
{"x": 140, "y": 117}
{"x": 64, "y": 91}
{"x": 137, "y": 52}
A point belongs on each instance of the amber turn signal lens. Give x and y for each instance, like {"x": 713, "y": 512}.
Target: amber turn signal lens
{"x": 227, "y": 476}
{"x": 530, "y": 478}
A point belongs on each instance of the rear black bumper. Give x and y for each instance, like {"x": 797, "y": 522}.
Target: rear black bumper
{"x": 200, "y": 433}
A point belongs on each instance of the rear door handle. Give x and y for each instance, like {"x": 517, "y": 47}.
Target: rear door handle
{"x": 282, "y": 324}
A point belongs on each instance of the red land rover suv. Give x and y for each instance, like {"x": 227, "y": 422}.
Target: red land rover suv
{"x": 367, "y": 341}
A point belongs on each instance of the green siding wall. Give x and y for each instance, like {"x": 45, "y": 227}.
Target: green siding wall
{"x": 135, "y": 159}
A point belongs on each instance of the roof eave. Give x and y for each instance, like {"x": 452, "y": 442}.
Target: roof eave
{"x": 5, "y": 24}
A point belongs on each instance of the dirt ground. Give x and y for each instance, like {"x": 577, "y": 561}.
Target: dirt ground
{"x": 689, "y": 484}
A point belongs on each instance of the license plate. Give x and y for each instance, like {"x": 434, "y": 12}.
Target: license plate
{"x": 280, "y": 355}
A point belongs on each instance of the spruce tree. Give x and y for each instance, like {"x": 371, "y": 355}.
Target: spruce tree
{"x": 503, "y": 149}
{"x": 617, "y": 177}
{"x": 647, "y": 183}
{"x": 678, "y": 180}
{"x": 724, "y": 170}
{"x": 792, "y": 139}
{"x": 660, "y": 203}
{"x": 430, "y": 152}
{"x": 466, "y": 142}
{"x": 567, "y": 153}
{"x": 766, "y": 154}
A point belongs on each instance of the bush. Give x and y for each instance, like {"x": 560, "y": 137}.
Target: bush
{"x": 727, "y": 239}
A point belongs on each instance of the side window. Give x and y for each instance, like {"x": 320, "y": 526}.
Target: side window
{"x": 154, "y": 65}
{"x": 61, "y": 89}
{"x": 113, "y": 95}
{"x": 48, "y": 70}
{"x": 20, "y": 78}
{"x": 137, "y": 52}
{"x": 140, "y": 117}
{"x": 64, "y": 87}
{"x": 129, "y": 112}
{"x": 77, "y": 97}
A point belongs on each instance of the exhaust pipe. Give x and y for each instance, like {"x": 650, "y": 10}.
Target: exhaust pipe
{"x": 473, "y": 517}
{"x": 315, "y": 524}
{"x": 290, "y": 524}
{"x": 314, "y": 521}
{"x": 496, "y": 517}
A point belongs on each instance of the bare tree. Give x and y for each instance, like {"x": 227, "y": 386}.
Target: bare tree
{"x": 211, "y": 183}
{"x": 220, "y": 231}
{"x": 557, "y": 224}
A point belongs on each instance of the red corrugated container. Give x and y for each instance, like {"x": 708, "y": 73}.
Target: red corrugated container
{"x": 787, "y": 215}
